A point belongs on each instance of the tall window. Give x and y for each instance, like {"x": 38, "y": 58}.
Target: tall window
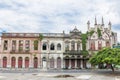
{"x": 58, "y": 46}
{"x": 21, "y": 45}
{"x": 72, "y": 45}
{"x": 99, "y": 45}
{"x": 92, "y": 46}
{"x": 36, "y": 45}
{"x": 27, "y": 45}
{"x": 5, "y": 45}
{"x": 52, "y": 47}
{"x": 44, "y": 46}
{"x": 107, "y": 44}
{"x": 13, "y": 45}
{"x": 66, "y": 46}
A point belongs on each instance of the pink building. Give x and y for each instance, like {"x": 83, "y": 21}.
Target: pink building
{"x": 20, "y": 50}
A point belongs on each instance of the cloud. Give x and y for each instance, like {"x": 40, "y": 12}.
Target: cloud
{"x": 56, "y": 15}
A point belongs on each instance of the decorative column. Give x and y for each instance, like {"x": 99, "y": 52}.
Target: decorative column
{"x": 24, "y": 45}
{"x": 55, "y": 62}
{"x": 75, "y": 46}
{"x": 17, "y": 45}
{"x": 69, "y": 63}
{"x": 0, "y": 61}
{"x": 23, "y": 62}
{"x": 16, "y": 65}
{"x": 31, "y": 55}
{"x": 62, "y": 63}
{"x": 40, "y": 52}
{"x": 80, "y": 46}
{"x": 75, "y": 63}
{"x": 48, "y": 54}
{"x": 9, "y": 49}
{"x": 1, "y": 50}
{"x": 70, "y": 46}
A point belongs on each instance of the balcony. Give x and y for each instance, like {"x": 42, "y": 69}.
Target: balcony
{"x": 20, "y": 52}
{"x": 72, "y": 52}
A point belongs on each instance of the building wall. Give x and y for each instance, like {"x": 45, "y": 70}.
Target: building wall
{"x": 54, "y": 59}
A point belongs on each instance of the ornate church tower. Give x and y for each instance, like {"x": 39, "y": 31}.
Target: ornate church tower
{"x": 102, "y": 22}
{"x": 88, "y": 24}
{"x": 109, "y": 25}
{"x": 95, "y": 21}
{"x": 100, "y": 36}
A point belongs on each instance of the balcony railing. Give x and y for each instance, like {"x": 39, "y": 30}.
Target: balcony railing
{"x": 72, "y": 52}
{"x": 20, "y": 52}
{"x": 31, "y": 34}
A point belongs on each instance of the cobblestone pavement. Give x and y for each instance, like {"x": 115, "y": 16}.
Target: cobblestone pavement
{"x": 50, "y": 75}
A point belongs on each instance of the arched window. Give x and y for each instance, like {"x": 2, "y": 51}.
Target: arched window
{"x": 20, "y": 62}
{"x": 26, "y": 62}
{"x": 73, "y": 45}
{"x": 92, "y": 46}
{"x": 5, "y": 47}
{"x": 58, "y": 46}
{"x": 52, "y": 47}
{"x": 4, "y": 62}
{"x": 44, "y": 46}
{"x": 35, "y": 62}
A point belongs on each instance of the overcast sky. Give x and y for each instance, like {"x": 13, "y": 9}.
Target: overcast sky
{"x": 57, "y": 15}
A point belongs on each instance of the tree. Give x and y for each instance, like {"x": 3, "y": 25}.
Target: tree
{"x": 84, "y": 51}
{"x": 108, "y": 56}
{"x": 84, "y": 41}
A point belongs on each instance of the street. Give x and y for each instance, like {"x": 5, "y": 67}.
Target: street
{"x": 32, "y": 74}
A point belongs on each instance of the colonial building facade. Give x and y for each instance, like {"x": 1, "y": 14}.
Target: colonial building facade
{"x": 55, "y": 50}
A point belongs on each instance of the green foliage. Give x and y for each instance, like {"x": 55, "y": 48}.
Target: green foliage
{"x": 106, "y": 55}
{"x": 99, "y": 32}
{"x": 84, "y": 52}
{"x": 112, "y": 33}
{"x": 84, "y": 41}
{"x": 36, "y": 45}
{"x": 91, "y": 32}
{"x": 40, "y": 37}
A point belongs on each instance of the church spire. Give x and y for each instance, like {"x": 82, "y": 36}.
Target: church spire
{"x": 95, "y": 21}
{"x": 88, "y": 24}
{"x": 109, "y": 24}
{"x": 102, "y": 21}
